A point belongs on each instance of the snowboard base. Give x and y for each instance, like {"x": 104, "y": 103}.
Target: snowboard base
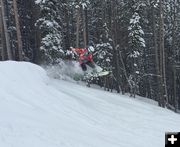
{"x": 97, "y": 74}
{"x": 90, "y": 76}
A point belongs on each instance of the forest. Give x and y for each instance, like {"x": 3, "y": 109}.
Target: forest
{"x": 138, "y": 40}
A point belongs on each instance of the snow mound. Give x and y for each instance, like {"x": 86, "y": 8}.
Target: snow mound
{"x": 37, "y": 111}
{"x": 13, "y": 72}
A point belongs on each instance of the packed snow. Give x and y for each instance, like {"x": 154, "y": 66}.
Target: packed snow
{"x": 38, "y": 111}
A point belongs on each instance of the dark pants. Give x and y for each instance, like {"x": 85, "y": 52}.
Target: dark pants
{"x": 84, "y": 67}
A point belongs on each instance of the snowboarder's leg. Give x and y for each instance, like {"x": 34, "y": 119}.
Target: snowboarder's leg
{"x": 86, "y": 76}
{"x": 92, "y": 65}
{"x": 83, "y": 66}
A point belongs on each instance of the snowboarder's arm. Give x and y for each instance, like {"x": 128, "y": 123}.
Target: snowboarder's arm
{"x": 77, "y": 50}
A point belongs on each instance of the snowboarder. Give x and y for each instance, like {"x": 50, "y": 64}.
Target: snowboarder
{"x": 85, "y": 57}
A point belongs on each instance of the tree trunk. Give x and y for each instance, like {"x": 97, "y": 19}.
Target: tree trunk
{"x": 37, "y": 35}
{"x": 162, "y": 55}
{"x": 77, "y": 26}
{"x": 159, "y": 80}
{"x": 67, "y": 22}
{"x": 2, "y": 48}
{"x": 173, "y": 47}
{"x": 19, "y": 38}
{"x": 6, "y": 35}
{"x": 113, "y": 23}
{"x": 84, "y": 29}
{"x": 175, "y": 96}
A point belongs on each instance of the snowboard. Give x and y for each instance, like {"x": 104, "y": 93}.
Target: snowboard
{"x": 103, "y": 73}
{"x": 90, "y": 76}
{"x": 96, "y": 74}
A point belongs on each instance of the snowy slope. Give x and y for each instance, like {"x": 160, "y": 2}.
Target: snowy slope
{"x": 40, "y": 112}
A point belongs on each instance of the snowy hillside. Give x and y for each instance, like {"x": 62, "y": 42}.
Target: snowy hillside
{"x": 40, "y": 112}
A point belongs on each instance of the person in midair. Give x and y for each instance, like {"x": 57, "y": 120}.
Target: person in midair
{"x": 85, "y": 57}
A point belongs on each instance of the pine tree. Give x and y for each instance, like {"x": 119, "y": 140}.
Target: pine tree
{"x": 48, "y": 23}
{"x": 104, "y": 50}
{"x": 136, "y": 45}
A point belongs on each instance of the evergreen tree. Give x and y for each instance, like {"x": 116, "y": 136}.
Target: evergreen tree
{"x": 104, "y": 50}
{"x": 136, "y": 45}
{"x": 48, "y": 23}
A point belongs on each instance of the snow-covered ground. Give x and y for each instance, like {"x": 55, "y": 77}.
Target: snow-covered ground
{"x": 37, "y": 111}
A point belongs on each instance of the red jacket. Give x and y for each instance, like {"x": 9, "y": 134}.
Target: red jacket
{"x": 84, "y": 55}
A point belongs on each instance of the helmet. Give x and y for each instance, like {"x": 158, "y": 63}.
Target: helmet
{"x": 90, "y": 49}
